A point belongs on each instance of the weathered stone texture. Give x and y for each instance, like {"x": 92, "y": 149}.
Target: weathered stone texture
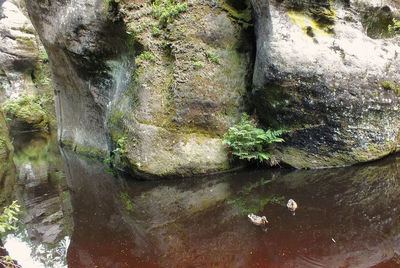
{"x": 158, "y": 95}
{"x": 323, "y": 84}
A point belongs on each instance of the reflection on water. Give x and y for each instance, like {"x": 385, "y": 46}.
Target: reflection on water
{"x": 32, "y": 256}
{"x": 41, "y": 239}
{"x": 347, "y": 217}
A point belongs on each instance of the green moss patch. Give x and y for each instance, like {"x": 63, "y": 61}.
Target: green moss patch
{"x": 380, "y": 22}
{"x": 388, "y": 85}
{"x": 239, "y": 15}
{"x": 29, "y": 111}
{"x": 310, "y": 26}
{"x": 145, "y": 56}
{"x": 322, "y": 12}
{"x": 167, "y": 10}
{"x": 84, "y": 149}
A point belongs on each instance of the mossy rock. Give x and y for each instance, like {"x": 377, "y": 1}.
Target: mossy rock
{"x": 5, "y": 144}
{"x": 377, "y": 21}
{"x": 26, "y": 113}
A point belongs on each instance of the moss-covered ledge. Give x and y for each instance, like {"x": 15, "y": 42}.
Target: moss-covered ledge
{"x": 84, "y": 150}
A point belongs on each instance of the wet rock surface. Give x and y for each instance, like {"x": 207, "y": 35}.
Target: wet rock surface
{"x": 324, "y": 84}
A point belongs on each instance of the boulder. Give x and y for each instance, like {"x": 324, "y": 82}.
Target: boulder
{"x": 155, "y": 88}
{"x": 320, "y": 76}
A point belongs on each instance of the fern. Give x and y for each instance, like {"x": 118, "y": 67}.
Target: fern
{"x": 248, "y": 142}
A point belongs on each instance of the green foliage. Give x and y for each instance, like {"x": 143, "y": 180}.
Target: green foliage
{"x": 8, "y": 217}
{"x": 242, "y": 17}
{"x": 246, "y": 141}
{"x": 379, "y": 22}
{"x": 212, "y": 57}
{"x": 394, "y": 28}
{"x": 43, "y": 55}
{"x": 121, "y": 149}
{"x": 155, "y": 31}
{"x": 145, "y": 56}
{"x": 388, "y": 85}
{"x": 117, "y": 153}
{"x": 197, "y": 65}
{"x": 167, "y": 10}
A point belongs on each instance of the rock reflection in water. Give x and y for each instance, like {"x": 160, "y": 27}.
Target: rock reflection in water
{"x": 41, "y": 239}
{"x": 346, "y": 218}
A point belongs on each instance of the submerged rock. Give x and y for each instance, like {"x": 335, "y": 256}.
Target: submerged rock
{"x": 320, "y": 77}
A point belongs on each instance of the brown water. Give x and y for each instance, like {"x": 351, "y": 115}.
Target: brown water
{"x": 347, "y": 217}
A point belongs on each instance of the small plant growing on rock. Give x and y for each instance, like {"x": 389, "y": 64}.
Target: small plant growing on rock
{"x": 167, "y": 10}
{"x": 145, "y": 56}
{"x": 155, "y": 31}
{"x": 197, "y": 65}
{"x": 214, "y": 58}
{"x": 7, "y": 220}
{"x": 119, "y": 152}
{"x": 394, "y": 28}
{"x": 8, "y": 217}
{"x": 388, "y": 85}
{"x": 246, "y": 141}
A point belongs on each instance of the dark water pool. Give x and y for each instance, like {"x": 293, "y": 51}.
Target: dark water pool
{"x": 77, "y": 214}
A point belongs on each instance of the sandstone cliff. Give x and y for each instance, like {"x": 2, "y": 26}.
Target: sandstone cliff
{"x": 328, "y": 73}
{"x": 26, "y": 95}
{"x": 153, "y": 85}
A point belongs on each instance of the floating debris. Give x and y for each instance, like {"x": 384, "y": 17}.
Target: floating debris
{"x": 258, "y": 220}
{"x": 292, "y": 206}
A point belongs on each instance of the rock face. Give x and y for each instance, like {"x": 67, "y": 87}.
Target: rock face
{"x": 18, "y": 52}
{"x": 319, "y": 76}
{"x": 155, "y": 88}
{"x": 5, "y": 145}
{"x": 26, "y": 94}
{"x": 7, "y": 168}
{"x": 155, "y": 85}
{"x": 85, "y": 49}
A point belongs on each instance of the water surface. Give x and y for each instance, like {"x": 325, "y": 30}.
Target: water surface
{"x": 347, "y": 217}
